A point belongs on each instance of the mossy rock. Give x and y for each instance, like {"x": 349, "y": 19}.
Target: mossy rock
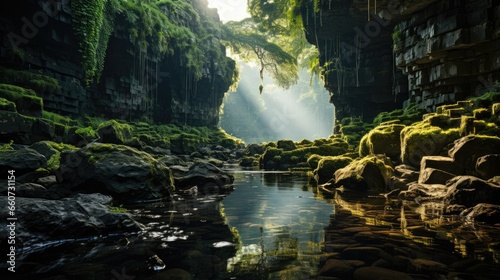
{"x": 125, "y": 173}
{"x": 383, "y": 139}
{"x": 422, "y": 139}
{"x": 16, "y": 127}
{"x": 368, "y": 173}
{"x": 27, "y": 103}
{"x": 286, "y": 145}
{"x": 114, "y": 132}
{"x": 486, "y": 100}
{"x": 481, "y": 114}
{"x": 7, "y": 105}
{"x": 52, "y": 152}
{"x": 486, "y": 128}
{"x": 313, "y": 161}
{"x": 439, "y": 120}
{"x": 269, "y": 154}
{"x": 328, "y": 165}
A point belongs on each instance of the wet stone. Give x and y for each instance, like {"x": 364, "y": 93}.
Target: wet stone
{"x": 377, "y": 273}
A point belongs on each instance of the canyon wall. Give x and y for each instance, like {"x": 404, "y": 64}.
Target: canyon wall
{"x": 136, "y": 84}
{"x": 380, "y": 55}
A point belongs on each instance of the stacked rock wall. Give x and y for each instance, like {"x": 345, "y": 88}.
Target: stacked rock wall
{"x": 38, "y": 36}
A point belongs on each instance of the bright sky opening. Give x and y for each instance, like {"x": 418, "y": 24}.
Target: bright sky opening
{"x": 230, "y": 10}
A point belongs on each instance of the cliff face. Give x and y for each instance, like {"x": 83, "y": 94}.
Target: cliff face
{"x": 136, "y": 83}
{"x": 378, "y": 55}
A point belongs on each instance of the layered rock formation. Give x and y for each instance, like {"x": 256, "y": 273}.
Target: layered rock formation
{"x": 136, "y": 83}
{"x": 444, "y": 51}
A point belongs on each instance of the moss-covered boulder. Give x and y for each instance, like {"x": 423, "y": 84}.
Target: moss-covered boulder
{"x": 127, "y": 174}
{"x": 114, "y": 132}
{"x": 328, "y": 165}
{"x": 286, "y": 145}
{"x": 421, "y": 139}
{"x": 383, "y": 139}
{"x": 467, "y": 150}
{"x": 52, "y": 152}
{"x": 269, "y": 158}
{"x": 368, "y": 173}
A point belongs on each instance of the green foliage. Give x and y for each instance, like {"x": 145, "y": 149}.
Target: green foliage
{"x": 92, "y": 26}
{"x": 486, "y": 100}
{"x": 7, "y": 146}
{"x": 243, "y": 39}
{"x": 87, "y": 133}
{"x": 117, "y": 209}
{"x": 26, "y": 79}
{"x": 57, "y": 118}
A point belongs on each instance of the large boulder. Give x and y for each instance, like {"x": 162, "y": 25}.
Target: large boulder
{"x": 383, "y": 139}
{"x": 470, "y": 191}
{"x": 467, "y": 150}
{"x": 81, "y": 216}
{"x": 368, "y": 173}
{"x": 127, "y": 174}
{"x": 328, "y": 165}
{"x": 207, "y": 177}
{"x": 114, "y": 132}
{"x": 286, "y": 145}
{"x": 22, "y": 161}
{"x": 441, "y": 163}
{"x": 434, "y": 176}
{"x": 488, "y": 166}
{"x": 421, "y": 139}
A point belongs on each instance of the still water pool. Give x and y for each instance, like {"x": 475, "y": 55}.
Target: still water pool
{"x": 272, "y": 226}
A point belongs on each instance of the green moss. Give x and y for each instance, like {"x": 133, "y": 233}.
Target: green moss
{"x": 6, "y": 105}
{"x": 486, "y": 100}
{"x": 115, "y": 132}
{"x": 56, "y": 118}
{"x": 101, "y": 148}
{"x": 313, "y": 160}
{"x": 482, "y": 114}
{"x": 26, "y": 79}
{"x": 117, "y": 209}
{"x": 422, "y": 139}
{"x": 25, "y": 99}
{"x": 328, "y": 165}
{"x": 53, "y": 162}
{"x": 7, "y": 147}
{"x": 87, "y": 133}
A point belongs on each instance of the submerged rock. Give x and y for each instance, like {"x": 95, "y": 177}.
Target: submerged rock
{"x": 80, "y": 216}
{"x": 204, "y": 175}
{"x": 470, "y": 191}
{"x": 127, "y": 174}
{"x": 483, "y": 212}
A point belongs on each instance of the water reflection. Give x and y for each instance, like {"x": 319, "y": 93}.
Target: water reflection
{"x": 280, "y": 223}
